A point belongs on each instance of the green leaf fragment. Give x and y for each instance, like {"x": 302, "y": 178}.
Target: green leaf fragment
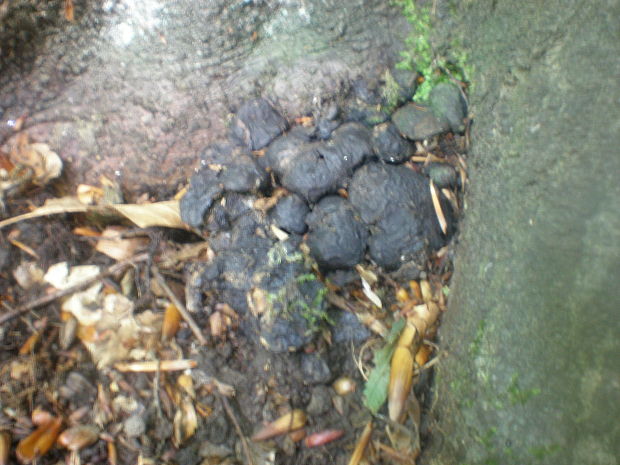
{"x": 376, "y": 389}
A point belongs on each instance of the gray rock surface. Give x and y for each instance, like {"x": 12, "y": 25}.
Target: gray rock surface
{"x": 531, "y": 374}
{"x": 134, "y": 89}
{"x": 417, "y": 122}
{"x": 449, "y": 106}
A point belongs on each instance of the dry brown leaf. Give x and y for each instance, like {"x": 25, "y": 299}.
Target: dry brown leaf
{"x": 114, "y": 246}
{"x": 20, "y": 369}
{"x": 171, "y": 258}
{"x": 89, "y": 195}
{"x": 69, "y": 11}
{"x": 368, "y": 275}
{"x": 5, "y": 447}
{"x": 85, "y": 231}
{"x": 38, "y": 442}
{"x": 265, "y": 204}
{"x": 28, "y": 274}
{"x": 186, "y": 382}
{"x": 51, "y": 207}
{"x": 45, "y": 163}
{"x": 166, "y": 214}
{"x": 185, "y": 422}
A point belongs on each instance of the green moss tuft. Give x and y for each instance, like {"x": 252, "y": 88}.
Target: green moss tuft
{"x": 420, "y": 56}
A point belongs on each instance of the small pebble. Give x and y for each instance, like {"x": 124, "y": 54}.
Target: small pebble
{"x": 134, "y": 426}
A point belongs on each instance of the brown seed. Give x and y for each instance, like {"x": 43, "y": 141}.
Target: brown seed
{"x": 68, "y": 330}
{"x": 323, "y": 437}
{"x": 427, "y": 292}
{"x": 415, "y": 290}
{"x": 112, "y": 456}
{"x": 290, "y": 421}
{"x": 41, "y": 417}
{"x": 5, "y": 447}
{"x": 402, "y": 295}
{"x": 78, "y": 437}
{"x": 423, "y": 354}
{"x": 172, "y": 322}
{"x": 298, "y": 435}
{"x": 28, "y": 346}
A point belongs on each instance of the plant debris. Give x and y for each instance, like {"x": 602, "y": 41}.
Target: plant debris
{"x": 238, "y": 321}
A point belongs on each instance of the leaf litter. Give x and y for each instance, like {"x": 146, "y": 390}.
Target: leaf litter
{"x": 127, "y": 344}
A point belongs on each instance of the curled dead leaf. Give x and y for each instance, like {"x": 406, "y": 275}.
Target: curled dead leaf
{"x": 185, "y": 422}
{"x": 45, "y": 163}
{"x": 115, "y": 246}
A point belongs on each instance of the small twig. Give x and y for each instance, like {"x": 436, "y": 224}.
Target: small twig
{"x": 182, "y": 310}
{"x": 72, "y": 289}
{"x": 244, "y": 441}
{"x": 157, "y": 402}
{"x": 155, "y": 366}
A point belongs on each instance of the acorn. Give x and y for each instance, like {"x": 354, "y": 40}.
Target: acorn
{"x": 344, "y": 385}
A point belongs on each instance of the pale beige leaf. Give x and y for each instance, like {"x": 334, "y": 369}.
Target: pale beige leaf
{"x": 280, "y": 235}
{"x": 438, "y": 211}
{"x": 368, "y": 292}
{"x": 51, "y": 207}
{"x": 27, "y": 274}
{"x": 89, "y": 195}
{"x": 61, "y": 277}
{"x": 165, "y": 214}
{"x": 185, "y": 422}
{"x": 370, "y": 277}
